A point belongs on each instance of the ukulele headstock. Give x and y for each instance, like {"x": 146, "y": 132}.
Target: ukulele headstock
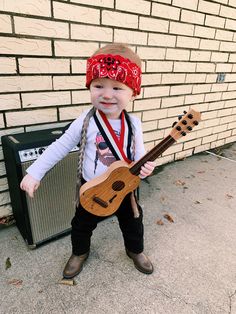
{"x": 186, "y": 123}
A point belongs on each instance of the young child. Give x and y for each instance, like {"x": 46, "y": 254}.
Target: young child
{"x": 105, "y": 133}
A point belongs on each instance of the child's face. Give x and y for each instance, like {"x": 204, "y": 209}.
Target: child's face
{"x": 110, "y": 96}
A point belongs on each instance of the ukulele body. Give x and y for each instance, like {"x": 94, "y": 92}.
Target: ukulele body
{"x": 103, "y": 195}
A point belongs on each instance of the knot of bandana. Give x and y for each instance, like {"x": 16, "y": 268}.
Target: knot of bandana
{"x": 114, "y": 67}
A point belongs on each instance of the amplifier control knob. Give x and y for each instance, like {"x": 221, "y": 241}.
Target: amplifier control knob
{"x": 41, "y": 150}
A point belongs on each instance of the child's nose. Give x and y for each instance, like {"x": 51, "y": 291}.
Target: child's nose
{"x": 107, "y": 94}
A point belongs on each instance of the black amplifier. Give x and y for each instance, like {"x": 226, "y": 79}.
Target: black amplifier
{"x": 48, "y": 215}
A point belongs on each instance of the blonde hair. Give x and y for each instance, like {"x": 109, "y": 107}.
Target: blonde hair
{"x": 120, "y": 49}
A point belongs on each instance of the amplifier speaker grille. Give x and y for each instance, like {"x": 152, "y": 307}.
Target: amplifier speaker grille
{"x": 52, "y": 208}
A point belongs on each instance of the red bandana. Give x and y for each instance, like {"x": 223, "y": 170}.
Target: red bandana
{"x": 114, "y": 67}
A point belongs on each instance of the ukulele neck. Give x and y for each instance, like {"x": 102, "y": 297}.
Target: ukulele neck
{"x": 152, "y": 154}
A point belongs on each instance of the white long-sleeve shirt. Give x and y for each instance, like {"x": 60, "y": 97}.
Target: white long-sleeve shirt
{"x": 97, "y": 156}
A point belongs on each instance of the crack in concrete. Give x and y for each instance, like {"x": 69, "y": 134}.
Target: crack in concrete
{"x": 231, "y": 296}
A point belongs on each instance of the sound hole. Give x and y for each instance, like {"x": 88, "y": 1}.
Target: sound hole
{"x": 118, "y": 185}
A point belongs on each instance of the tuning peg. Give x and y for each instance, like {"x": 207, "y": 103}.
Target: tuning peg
{"x": 183, "y": 133}
{"x": 195, "y": 122}
{"x": 180, "y": 116}
{"x": 184, "y": 122}
{"x": 178, "y": 128}
{"x": 185, "y": 112}
{"x": 174, "y": 124}
{"x": 190, "y": 116}
{"x": 189, "y": 128}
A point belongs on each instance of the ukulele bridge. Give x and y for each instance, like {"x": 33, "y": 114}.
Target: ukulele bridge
{"x": 99, "y": 201}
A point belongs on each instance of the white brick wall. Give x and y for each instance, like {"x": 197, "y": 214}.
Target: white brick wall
{"x": 183, "y": 45}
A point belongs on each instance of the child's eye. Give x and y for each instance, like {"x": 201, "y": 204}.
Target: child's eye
{"x": 117, "y": 88}
{"x": 98, "y": 86}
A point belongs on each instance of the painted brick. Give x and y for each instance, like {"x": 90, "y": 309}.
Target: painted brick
{"x": 130, "y": 37}
{"x": 187, "y": 42}
{"x": 31, "y": 117}
{"x": 166, "y": 123}
{"x": 211, "y": 78}
{"x": 44, "y": 65}
{"x": 81, "y": 97}
{"x": 209, "y": 115}
{"x": 193, "y": 99}
{"x": 227, "y": 46}
{"x": 229, "y": 95}
{"x": 119, "y": 19}
{"x": 9, "y": 101}
{"x": 78, "y": 66}
{"x": 214, "y": 21}
{"x": 192, "y": 144}
{"x": 25, "y": 83}
{"x": 200, "y": 55}
{"x": 180, "y": 90}
{"x": 151, "y": 53}
{"x": 227, "y": 119}
{"x": 172, "y": 101}
{"x": 165, "y": 11}
{"x": 163, "y": 1}
{"x": 74, "y": 49}
{"x": 176, "y": 111}
{"x": 184, "y": 67}
{"x": 184, "y": 154}
{"x": 173, "y": 78}
{"x": 181, "y": 28}
{"x": 7, "y": 65}
{"x": 227, "y": 12}
{"x": 213, "y": 97}
{"x": 232, "y": 86}
{"x": 134, "y": 6}
{"x": 209, "y": 44}
{"x": 37, "y": 27}
{"x": 230, "y": 2}
{"x": 69, "y": 82}
{"x": 161, "y": 40}
{"x": 195, "y": 78}
{"x": 205, "y": 32}
{"x": 204, "y": 132}
{"x": 146, "y": 104}
{"x": 232, "y": 57}
{"x": 230, "y": 77}
{"x": 229, "y": 103}
{"x": 224, "y": 67}
{"x": 99, "y": 3}
{"x": 230, "y": 24}
{"x": 224, "y": 135}
{"x": 208, "y": 139}
{"x": 87, "y": 32}
{"x": 149, "y": 126}
{"x": 217, "y": 143}
{"x": 39, "y": 7}
{"x": 30, "y": 100}
{"x": 201, "y": 148}
{"x": 150, "y": 115}
{"x": 205, "y": 67}
{"x": 23, "y": 46}
{"x": 151, "y": 79}
{"x": 5, "y": 23}
{"x": 159, "y": 66}
{"x": 164, "y": 160}
{"x": 2, "y": 125}
{"x": 220, "y": 128}
{"x": 156, "y": 91}
{"x": 219, "y": 87}
{"x": 70, "y": 12}
{"x": 71, "y": 113}
{"x": 173, "y": 149}
{"x": 224, "y": 35}
{"x": 153, "y": 24}
{"x": 201, "y": 88}
{"x": 192, "y": 17}
{"x": 220, "y": 57}
{"x": 177, "y": 54}
{"x": 209, "y": 7}
{"x": 225, "y": 112}
{"x": 192, "y": 5}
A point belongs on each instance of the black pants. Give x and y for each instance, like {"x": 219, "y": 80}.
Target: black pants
{"x": 84, "y": 223}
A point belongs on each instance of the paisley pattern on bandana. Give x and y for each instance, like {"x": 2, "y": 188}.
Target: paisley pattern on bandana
{"x": 114, "y": 67}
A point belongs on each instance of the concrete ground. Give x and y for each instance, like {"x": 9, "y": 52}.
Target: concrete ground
{"x": 194, "y": 255}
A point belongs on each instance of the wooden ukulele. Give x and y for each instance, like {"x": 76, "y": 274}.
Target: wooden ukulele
{"x": 103, "y": 195}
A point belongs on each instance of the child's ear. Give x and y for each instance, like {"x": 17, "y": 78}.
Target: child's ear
{"x": 133, "y": 98}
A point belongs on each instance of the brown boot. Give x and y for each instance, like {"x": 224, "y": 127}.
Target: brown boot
{"x": 141, "y": 262}
{"x": 74, "y": 265}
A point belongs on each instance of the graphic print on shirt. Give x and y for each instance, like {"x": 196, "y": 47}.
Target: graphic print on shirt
{"x": 103, "y": 152}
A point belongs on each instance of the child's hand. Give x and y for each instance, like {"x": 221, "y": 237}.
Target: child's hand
{"x": 147, "y": 169}
{"x": 29, "y": 185}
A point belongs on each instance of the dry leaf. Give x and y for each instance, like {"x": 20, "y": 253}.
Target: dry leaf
{"x": 202, "y": 171}
{"x": 229, "y": 196}
{"x": 15, "y": 282}
{"x": 179, "y": 182}
{"x": 162, "y": 198}
{"x": 160, "y": 222}
{"x": 67, "y": 282}
{"x": 197, "y": 202}
{"x": 7, "y": 263}
{"x": 168, "y": 217}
